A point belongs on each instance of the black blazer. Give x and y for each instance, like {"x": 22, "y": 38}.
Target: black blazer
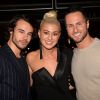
{"x": 14, "y": 76}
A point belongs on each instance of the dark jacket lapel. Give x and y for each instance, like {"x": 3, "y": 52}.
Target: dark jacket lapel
{"x": 63, "y": 70}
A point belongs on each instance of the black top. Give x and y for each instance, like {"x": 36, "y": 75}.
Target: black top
{"x": 46, "y": 87}
{"x": 14, "y": 76}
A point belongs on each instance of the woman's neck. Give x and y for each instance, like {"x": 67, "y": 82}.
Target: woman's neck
{"x": 49, "y": 53}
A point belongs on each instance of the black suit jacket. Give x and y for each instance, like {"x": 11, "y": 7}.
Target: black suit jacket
{"x": 14, "y": 76}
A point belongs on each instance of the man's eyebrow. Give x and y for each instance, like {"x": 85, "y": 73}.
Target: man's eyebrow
{"x": 20, "y": 29}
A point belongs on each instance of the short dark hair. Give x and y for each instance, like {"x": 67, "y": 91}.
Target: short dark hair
{"x": 75, "y": 8}
{"x": 27, "y": 18}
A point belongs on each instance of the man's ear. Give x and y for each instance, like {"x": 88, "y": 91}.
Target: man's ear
{"x": 11, "y": 32}
{"x": 87, "y": 24}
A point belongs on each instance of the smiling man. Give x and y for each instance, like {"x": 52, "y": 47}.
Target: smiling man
{"x": 85, "y": 61}
{"x": 14, "y": 75}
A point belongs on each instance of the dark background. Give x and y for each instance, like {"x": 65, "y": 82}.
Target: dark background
{"x": 36, "y": 8}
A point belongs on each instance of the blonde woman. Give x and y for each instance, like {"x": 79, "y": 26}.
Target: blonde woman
{"x": 48, "y": 65}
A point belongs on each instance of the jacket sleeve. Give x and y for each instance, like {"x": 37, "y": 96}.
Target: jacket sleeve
{"x": 7, "y": 92}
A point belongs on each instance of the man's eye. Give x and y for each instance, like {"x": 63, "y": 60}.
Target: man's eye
{"x": 79, "y": 23}
{"x": 30, "y": 34}
{"x": 69, "y": 26}
{"x": 45, "y": 32}
{"x": 21, "y": 31}
{"x": 55, "y": 34}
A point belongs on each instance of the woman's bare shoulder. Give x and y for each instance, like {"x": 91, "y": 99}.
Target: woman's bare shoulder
{"x": 32, "y": 55}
